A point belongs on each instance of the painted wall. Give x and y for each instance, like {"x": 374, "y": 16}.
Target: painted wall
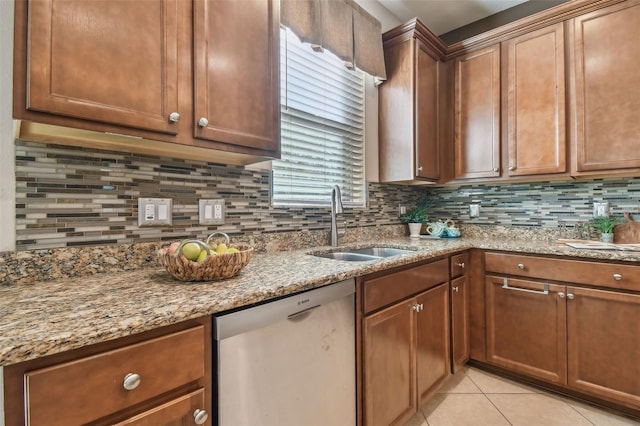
{"x": 7, "y": 181}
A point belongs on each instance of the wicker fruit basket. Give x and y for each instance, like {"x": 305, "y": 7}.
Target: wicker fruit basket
{"x": 213, "y": 267}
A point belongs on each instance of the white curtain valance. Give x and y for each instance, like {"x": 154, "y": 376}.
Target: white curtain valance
{"x": 340, "y": 26}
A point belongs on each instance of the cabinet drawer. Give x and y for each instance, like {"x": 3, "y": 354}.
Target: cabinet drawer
{"x": 178, "y": 412}
{"x": 459, "y": 264}
{"x": 87, "y": 389}
{"x": 379, "y": 292}
{"x": 591, "y": 273}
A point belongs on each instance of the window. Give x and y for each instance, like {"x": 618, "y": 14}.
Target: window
{"x": 322, "y": 128}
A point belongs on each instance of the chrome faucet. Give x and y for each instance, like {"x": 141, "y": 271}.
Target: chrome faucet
{"x": 336, "y": 208}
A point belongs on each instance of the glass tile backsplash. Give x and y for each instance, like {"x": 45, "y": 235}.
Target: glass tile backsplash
{"x": 73, "y": 197}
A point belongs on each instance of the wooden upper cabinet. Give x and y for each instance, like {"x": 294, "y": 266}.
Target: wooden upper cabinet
{"x": 189, "y": 79}
{"x": 112, "y": 62}
{"x": 408, "y": 106}
{"x": 607, "y": 88}
{"x": 477, "y": 114}
{"x": 427, "y": 148}
{"x": 535, "y": 102}
{"x": 237, "y": 97}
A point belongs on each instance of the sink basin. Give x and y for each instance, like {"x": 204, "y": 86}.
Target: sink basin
{"x": 380, "y": 251}
{"x": 364, "y": 254}
{"x": 347, "y": 256}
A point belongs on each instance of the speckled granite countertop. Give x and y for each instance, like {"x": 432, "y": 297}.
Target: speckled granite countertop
{"x": 60, "y": 315}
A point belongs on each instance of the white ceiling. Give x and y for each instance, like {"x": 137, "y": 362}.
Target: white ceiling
{"x": 441, "y": 16}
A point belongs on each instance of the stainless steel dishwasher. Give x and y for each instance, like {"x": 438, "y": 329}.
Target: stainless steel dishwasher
{"x": 289, "y": 362}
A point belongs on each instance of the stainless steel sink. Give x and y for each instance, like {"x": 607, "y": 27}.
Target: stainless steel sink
{"x": 363, "y": 254}
{"x": 380, "y": 251}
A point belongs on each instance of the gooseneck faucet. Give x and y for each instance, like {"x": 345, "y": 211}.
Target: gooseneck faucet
{"x": 336, "y": 208}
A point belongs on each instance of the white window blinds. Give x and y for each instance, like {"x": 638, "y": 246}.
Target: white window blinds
{"x": 322, "y": 128}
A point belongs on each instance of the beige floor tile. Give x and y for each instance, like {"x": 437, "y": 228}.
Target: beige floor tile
{"x": 460, "y": 383}
{"x": 462, "y": 410}
{"x": 537, "y": 410}
{"x": 490, "y": 383}
{"x": 600, "y": 417}
{"x": 417, "y": 420}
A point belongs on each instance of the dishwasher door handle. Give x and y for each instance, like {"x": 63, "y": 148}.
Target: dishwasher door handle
{"x": 301, "y": 315}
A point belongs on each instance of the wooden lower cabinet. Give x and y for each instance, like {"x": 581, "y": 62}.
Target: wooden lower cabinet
{"x": 603, "y": 329}
{"x": 459, "y": 323}
{"x": 432, "y": 349}
{"x": 389, "y": 365}
{"x": 526, "y": 329}
{"x": 583, "y": 339}
{"x": 405, "y": 356}
{"x": 161, "y": 377}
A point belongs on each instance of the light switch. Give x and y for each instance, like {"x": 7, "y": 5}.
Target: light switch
{"x": 154, "y": 211}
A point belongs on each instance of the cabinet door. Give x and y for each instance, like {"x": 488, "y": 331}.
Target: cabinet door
{"x": 237, "y": 97}
{"x": 477, "y": 114}
{"x": 459, "y": 323}
{"x": 432, "y": 351}
{"x": 607, "y": 88}
{"x": 526, "y": 327}
{"x": 426, "y": 98}
{"x": 106, "y": 61}
{"x": 536, "y": 102}
{"x": 177, "y": 412}
{"x": 389, "y": 365}
{"x": 604, "y": 344}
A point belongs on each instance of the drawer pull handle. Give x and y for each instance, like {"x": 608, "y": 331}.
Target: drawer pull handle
{"x": 617, "y": 277}
{"x": 200, "y": 416}
{"x": 131, "y": 381}
{"x": 461, "y": 265}
{"x": 545, "y": 291}
{"x": 570, "y": 296}
{"x": 456, "y": 288}
{"x": 520, "y": 265}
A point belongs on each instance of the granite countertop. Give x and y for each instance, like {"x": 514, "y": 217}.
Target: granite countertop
{"x": 50, "y": 317}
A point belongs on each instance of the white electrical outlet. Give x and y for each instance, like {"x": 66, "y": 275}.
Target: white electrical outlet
{"x": 154, "y": 211}
{"x": 211, "y": 212}
{"x": 474, "y": 210}
{"x": 600, "y": 209}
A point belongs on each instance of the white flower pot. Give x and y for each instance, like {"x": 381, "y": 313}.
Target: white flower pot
{"x": 414, "y": 230}
{"x": 606, "y": 237}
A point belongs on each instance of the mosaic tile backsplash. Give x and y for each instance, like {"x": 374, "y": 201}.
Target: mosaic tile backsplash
{"x": 68, "y": 197}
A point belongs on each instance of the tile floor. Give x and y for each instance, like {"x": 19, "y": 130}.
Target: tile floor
{"x": 474, "y": 397}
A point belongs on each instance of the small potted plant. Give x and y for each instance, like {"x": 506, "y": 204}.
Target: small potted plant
{"x": 415, "y": 218}
{"x": 605, "y": 225}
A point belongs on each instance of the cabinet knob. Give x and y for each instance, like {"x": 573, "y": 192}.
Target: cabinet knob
{"x": 174, "y": 117}
{"x": 200, "y": 416}
{"x": 570, "y": 296}
{"x": 520, "y": 265}
{"x": 512, "y": 168}
{"x": 418, "y": 307}
{"x": 203, "y": 122}
{"x": 461, "y": 265}
{"x": 495, "y": 169}
{"x": 456, "y": 289}
{"x": 617, "y": 277}
{"x": 561, "y": 295}
{"x": 131, "y": 381}
{"x": 420, "y": 168}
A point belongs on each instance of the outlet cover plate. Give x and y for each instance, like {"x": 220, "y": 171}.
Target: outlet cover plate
{"x": 154, "y": 211}
{"x": 211, "y": 212}
{"x": 600, "y": 209}
{"x": 474, "y": 210}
